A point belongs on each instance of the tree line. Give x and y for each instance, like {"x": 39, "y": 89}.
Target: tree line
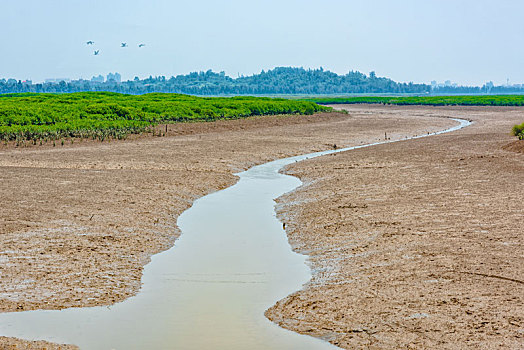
{"x": 280, "y": 80}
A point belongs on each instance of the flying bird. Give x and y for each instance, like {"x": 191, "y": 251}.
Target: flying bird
{"x": 90, "y": 42}
{"x": 96, "y": 52}
{"x": 123, "y": 45}
{"x": 141, "y": 45}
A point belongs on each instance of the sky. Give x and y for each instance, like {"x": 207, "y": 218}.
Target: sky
{"x": 466, "y": 41}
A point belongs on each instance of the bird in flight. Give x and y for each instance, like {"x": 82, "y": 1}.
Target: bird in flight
{"x": 141, "y": 45}
{"x": 96, "y": 52}
{"x": 123, "y": 45}
{"x": 90, "y": 42}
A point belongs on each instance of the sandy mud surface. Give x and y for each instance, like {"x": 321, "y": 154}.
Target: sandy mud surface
{"x": 79, "y": 221}
{"x": 18, "y": 344}
{"x": 415, "y": 244}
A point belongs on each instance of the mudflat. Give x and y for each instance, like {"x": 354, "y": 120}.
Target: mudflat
{"x": 80, "y": 221}
{"x": 415, "y": 244}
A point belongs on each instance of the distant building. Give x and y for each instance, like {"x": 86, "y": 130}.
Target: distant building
{"x": 27, "y": 82}
{"x": 117, "y": 78}
{"x": 55, "y": 81}
{"x": 99, "y": 79}
{"x": 447, "y": 83}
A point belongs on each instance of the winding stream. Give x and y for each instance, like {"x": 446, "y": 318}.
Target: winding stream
{"x": 211, "y": 289}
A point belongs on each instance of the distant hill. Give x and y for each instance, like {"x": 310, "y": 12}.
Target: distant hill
{"x": 287, "y": 80}
{"x": 281, "y": 80}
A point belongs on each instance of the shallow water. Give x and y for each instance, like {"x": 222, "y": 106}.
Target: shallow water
{"x": 211, "y": 289}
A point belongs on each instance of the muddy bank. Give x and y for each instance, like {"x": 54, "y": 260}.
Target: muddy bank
{"x": 515, "y": 146}
{"x": 79, "y": 222}
{"x": 414, "y": 244}
{"x": 17, "y": 344}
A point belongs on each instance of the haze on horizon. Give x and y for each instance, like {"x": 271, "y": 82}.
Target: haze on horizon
{"x": 468, "y": 42}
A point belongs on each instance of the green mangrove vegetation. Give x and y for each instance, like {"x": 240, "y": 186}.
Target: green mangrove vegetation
{"x": 100, "y": 115}
{"x": 482, "y": 100}
{"x": 518, "y": 130}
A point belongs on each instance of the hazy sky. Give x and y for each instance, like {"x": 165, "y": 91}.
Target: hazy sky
{"x": 466, "y": 41}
